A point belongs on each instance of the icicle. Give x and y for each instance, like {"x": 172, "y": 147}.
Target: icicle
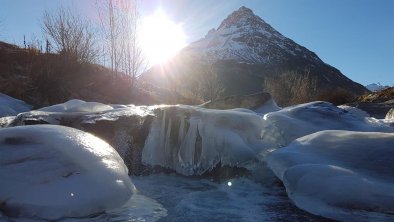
{"x": 181, "y": 133}
{"x": 163, "y": 131}
{"x": 186, "y": 151}
{"x": 167, "y": 143}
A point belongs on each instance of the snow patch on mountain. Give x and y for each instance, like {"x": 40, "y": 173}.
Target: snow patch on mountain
{"x": 374, "y": 87}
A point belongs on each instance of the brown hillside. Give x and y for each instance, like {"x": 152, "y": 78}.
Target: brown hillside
{"x": 45, "y": 79}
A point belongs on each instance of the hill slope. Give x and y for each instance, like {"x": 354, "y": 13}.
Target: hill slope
{"x": 44, "y": 79}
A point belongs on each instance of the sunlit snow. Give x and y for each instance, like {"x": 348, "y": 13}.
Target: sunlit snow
{"x": 10, "y": 106}
{"x": 342, "y": 175}
{"x": 54, "y": 171}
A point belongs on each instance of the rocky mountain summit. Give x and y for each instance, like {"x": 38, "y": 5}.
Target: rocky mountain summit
{"x": 245, "y": 37}
{"x": 243, "y": 55}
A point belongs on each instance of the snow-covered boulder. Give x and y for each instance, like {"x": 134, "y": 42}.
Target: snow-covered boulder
{"x": 125, "y": 127}
{"x": 354, "y": 111}
{"x": 342, "y": 175}
{"x": 76, "y": 105}
{"x": 11, "y": 107}
{"x": 290, "y": 123}
{"x": 51, "y": 172}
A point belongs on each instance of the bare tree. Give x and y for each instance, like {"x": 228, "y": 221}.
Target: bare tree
{"x": 70, "y": 34}
{"x": 119, "y": 23}
{"x": 208, "y": 85}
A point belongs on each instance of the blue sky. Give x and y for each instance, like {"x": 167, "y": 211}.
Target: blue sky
{"x": 355, "y": 36}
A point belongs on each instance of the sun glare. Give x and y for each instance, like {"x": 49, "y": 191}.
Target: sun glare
{"x": 161, "y": 38}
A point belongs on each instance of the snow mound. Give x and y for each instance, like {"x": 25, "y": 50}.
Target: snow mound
{"x": 267, "y": 107}
{"x": 76, "y": 105}
{"x": 354, "y": 111}
{"x": 193, "y": 140}
{"x": 342, "y": 175}
{"x": 11, "y": 107}
{"x": 283, "y": 126}
{"x": 51, "y": 172}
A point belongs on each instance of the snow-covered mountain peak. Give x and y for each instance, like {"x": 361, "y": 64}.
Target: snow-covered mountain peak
{"x": 245, "y": 37}
{"x": 374, "y": 87}
{"x": 242, "y": 16}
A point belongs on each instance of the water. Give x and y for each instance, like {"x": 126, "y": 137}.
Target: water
{"x": 170, "y": 197}
{"x": 236, "y": 199}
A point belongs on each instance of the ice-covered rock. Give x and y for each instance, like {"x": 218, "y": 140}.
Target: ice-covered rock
{"x": 354, "y": 111}
{"x": 342, "y": 175}
{"x": 11, "y": 107}
{"x": 194, "y": 140}
{"x": 52, "y": 172}
{"x": 76, "y": 105}
{"x": 290, "y": 123}
{"x": 124, "y": 127}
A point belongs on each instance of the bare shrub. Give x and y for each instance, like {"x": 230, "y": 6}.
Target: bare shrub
{"x": 70, "y": 34}
{"x": 291, "y": 87}
{"x": 206, "y": 86}
{"x": 338, "y": 96}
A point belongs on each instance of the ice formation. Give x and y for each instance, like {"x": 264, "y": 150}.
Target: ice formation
{"x": 342, "y": 175}
{"x": 51, "y": 172}
{"x": 193, "y": 140}
{"x": 290, "y": 123}
{"x": 390, "y": 114}
{"x": 11, "y": 107}
{"x": 76, "y": 105}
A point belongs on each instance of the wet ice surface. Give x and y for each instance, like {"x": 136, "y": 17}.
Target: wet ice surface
{"x": 164, "y": 197}
{"x": 237, "y": 199}
{"x": 138, "y": 209}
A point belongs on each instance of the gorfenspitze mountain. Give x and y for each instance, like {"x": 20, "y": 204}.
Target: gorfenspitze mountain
{"x": 245, "y": 53}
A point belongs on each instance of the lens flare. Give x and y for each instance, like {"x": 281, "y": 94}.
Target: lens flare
{"x": 161, "y": 38}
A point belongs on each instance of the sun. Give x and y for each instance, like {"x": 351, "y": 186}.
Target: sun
{"x": 160, "y": 38}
